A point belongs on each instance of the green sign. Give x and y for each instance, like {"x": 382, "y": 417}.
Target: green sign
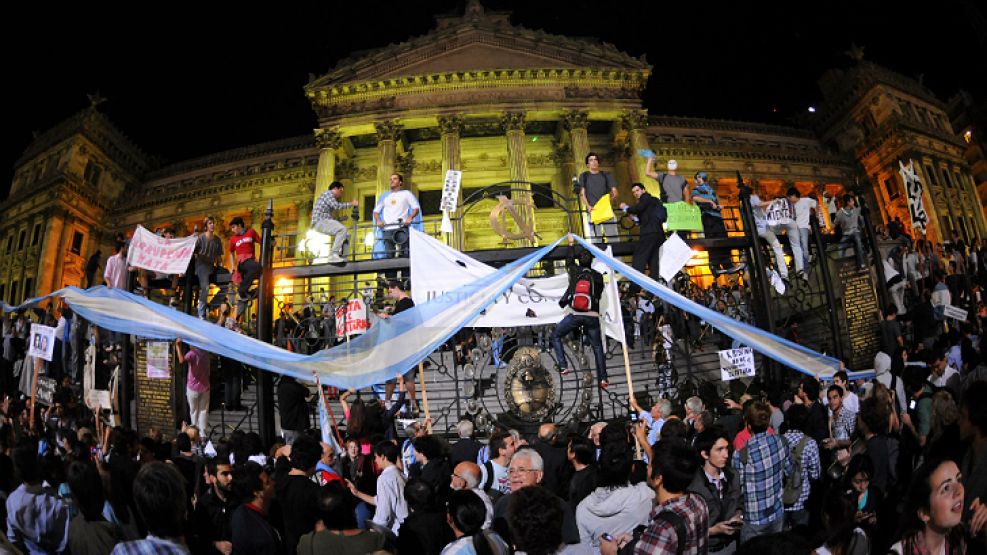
{"x": 683, "y": 216}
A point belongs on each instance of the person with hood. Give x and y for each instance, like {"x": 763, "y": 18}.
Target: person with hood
{"x": 615, "y": 507}
{"x": 583, "y": 297}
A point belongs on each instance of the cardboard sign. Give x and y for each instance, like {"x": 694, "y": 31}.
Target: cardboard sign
{"x": 950, "y": 311}
{"x": 157, "y": 360}
{"x": 46, "y": 390}
{"x": 450, "y": 190}
{"x": 42, "y": 342}
{"x": 736, "y": 363}
{"x": 351, "y": 318}
{"x": 683, "y": 216}
{"x": 779, "y": 212}
{"x": 166, "y": 256}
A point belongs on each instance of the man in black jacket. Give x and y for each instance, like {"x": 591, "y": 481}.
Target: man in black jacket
{"x": 293, "y": 408}
{"x": 211, "y": 521}
{"x": 583, "y": 296}
{"x": 652, "y": 235}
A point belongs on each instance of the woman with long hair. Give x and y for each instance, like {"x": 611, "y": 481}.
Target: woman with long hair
{"x": 933, "y": 512}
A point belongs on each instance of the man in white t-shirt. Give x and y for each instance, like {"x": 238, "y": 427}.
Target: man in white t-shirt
{"x": 769, "y": 232}
{"x": 803, "y": 211}
{"x": 397, "y": 207}
{"x": 493, "y": 473}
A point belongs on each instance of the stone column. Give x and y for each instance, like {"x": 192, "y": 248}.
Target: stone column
{"x": 517, "y": 167}
{"x": 328, "y": 141}
{"x": 576, "y": 123}
{"x": 635, "y": 122}
{"x": 450, "y": 128}
{"x": 387, "y": 135}
{"x": 977, "y": 215}
{"x": 304, "y": 218}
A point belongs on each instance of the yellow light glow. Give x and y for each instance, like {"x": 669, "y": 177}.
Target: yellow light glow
{"x": 968, "y": 136}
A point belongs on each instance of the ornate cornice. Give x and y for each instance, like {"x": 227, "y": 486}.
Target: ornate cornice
{"x": 388, "y": 130}
{"x": 405, "y": 163}
{"x": 728, "y": 125}
{"x": 328, "y": 138}
{"x": 512, "y": 121}
{"x": 562, "y": 153}
{"x": 578, "y": 83}
{"x": 236, "y": 155}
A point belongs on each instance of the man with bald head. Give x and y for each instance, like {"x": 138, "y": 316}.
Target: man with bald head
{"x": 466, "y": 476}
{"x": 554, "y": 457}
{"x": 525, "y": 470}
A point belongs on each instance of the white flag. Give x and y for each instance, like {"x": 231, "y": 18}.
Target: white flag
{"x": 611, "y": 316}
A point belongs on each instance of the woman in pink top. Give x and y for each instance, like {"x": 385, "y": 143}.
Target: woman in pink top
{"x": 197, "y": 385}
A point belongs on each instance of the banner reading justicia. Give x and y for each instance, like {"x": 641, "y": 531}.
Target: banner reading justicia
{"x": 167, "y": 256}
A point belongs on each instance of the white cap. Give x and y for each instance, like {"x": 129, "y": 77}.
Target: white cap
{"x": 672, "y": 164}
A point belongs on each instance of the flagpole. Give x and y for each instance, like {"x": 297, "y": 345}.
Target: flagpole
{"x": 421, "y": 378}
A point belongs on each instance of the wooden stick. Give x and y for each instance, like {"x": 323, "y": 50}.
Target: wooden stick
{"x": 630, "y": 391}
{"x": 421, "y": 378}
{"x": 34, "y": 389}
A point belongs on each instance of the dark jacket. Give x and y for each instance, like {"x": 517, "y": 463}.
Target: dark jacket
{"x": 292, "y": 405}
{"x": 425, "y": 532}
{"x": 252, "y": 533}
{"x": 465, "y": 449}
{"x": 646, "y": 211}
{"x": 721, "y": 506}
{"x": 211, "y": 521}
{"x": 553, "y": 458}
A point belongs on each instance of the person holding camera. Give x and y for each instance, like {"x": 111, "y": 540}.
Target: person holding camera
{"x": 395, "y": 211}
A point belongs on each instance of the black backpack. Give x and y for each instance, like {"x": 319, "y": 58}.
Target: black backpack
{"x": 487, "y": 485}
{"x": 673, "y": 518}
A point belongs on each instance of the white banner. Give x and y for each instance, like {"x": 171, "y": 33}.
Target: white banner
{"x": 673, "y": 255}
{"x": 950, "y": 311}
{"x": 736, "y": 363}
{"x": 42, "y": 342}
{"x": 166, "y": 256}
{"x": 779, "y": 212}
{"x": 450, "y": 191}
{"x": 438, "y": 268}
{"x": 913, "y": 188}
{"x": 351, "y": 318}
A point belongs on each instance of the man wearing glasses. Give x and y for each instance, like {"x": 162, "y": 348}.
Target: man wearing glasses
{"x": 527, "y": 469}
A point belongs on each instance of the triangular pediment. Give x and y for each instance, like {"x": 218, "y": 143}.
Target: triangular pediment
{"x": 477, "y": 41}
{"x": 477, "y": 56}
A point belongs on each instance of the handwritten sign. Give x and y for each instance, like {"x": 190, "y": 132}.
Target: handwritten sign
{"x": 736, "y": 363}
{"x": 950, "y": 311}
{"x": 157, "y": 360}
{"x": 42, "y": 342}
{"x": 351, "y": 319}
{"x": 683, "y": 216}
{"x": 166, "y": 256}
{"x": 779, "y": 212}
{"x": 450, "y": 191}
{"x": 913, "y": 187}
{"x": 46, "y": 390}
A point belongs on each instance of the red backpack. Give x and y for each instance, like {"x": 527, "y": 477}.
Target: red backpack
{"x": 582, "y": 293}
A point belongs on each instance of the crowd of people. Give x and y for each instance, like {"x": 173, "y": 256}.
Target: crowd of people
{"x": 843, "y": 466}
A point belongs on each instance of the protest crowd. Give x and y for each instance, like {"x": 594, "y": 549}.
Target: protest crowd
{"x": 844, "y": 467}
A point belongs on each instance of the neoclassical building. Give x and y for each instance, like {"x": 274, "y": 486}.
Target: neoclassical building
{"x": 495, "y": 100}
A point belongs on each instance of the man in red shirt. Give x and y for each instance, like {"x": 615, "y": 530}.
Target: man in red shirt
{"x": 243, "y": 261}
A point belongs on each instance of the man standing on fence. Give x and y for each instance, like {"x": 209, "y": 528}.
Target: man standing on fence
{"x": 326, "y": 220}
{"x": 708, "y": 202}
{"x": 652, "y": 235}
{"x": 583, "y": 297}
{"x": 243, "y": 262}
{"x": 595, "y": 186}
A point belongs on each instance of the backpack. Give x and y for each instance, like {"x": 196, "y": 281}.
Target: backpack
{"x": 672, "y": 518}
{"x": 793, "y": 482}
{"x": 487, "y": 486}
{"x": 583, "y": 293}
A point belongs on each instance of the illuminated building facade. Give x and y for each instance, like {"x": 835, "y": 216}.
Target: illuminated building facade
{"x": 478, "y": 94}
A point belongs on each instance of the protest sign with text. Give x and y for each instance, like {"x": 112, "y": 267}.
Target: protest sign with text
{"x": 42, "y": 342}
{"x": 736, "y": 363}
{"x": 166, "y": 256}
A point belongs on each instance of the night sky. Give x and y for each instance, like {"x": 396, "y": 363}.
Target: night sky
{"x": 184, "y": 80}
